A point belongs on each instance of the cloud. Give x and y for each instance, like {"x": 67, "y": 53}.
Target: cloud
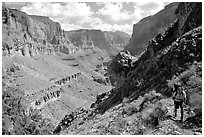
{"x": 71, "y": 26}
{"x": 73, "y": 13}
{"x": 123, "y": 13}
{"x": 114, "y": 27}
{"x": 112, "y": 12}
{"x": 110, "y": 16}
{"x": 15, "y": 5}
{"x": 149, "y": 8}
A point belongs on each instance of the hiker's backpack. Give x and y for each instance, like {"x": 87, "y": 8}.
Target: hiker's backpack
{"x": 180, "y": 94}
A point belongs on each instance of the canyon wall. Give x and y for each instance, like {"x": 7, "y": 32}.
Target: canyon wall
{"x": 150, "y": 26}
{"x": 105, "y": 40}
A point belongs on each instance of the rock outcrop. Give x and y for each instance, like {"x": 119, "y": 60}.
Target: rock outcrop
{"x": 120, "y": 62}
{"x": 167, "y": 55}
{"x": 150, "y": 26}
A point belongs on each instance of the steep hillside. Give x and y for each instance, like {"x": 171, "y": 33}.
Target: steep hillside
{"x": 150, "y": 26}
{"x": 167, "y": 54}
{"x": 142, "y": 103}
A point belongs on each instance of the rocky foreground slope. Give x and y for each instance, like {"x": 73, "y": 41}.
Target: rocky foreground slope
{"x": 141, "y": 103}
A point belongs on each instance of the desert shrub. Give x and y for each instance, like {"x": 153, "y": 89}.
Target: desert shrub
{"x": 129, "y": 109}
{"x": 103, "y": 130}
{"x": 195, "y": 103}
{"x": 150, "y": 97}
{"x": 195, "y": 81}
{"x": 121, "y": 123}
{"x": 154, "y": 114}
{"x": 114, "y": 131}
{"x": 136, "y": 126}
{"x": 171, "y": 82}
{"x": 14, "y": 119}
{"x": 126, "y": 100}
{"x": 184, "y": 76}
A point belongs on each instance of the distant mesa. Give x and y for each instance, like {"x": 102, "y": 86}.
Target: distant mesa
{"x": 105, "y": 40}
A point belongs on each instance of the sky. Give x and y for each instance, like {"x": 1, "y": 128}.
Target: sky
{"x": 107, "y": 16}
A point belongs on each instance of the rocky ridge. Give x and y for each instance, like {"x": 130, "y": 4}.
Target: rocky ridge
{"x": 167, "y": 54}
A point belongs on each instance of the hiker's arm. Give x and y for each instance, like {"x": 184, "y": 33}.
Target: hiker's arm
{"x": 173, "y": 96}
{"x": 184, "y": 93}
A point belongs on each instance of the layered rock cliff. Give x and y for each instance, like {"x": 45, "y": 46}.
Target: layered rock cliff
{"x": 88, "y": 38}
{"x": 30, "y": 34}
{"x": 150, "y": 26}
{"x": 105, "y": 40}
{"x": 117, "y": 38}
{"x": 31, "y": 26}
{"x": 167, "y": 54}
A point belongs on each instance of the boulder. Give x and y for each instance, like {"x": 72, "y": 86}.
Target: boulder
{"x": 120, "y": 63}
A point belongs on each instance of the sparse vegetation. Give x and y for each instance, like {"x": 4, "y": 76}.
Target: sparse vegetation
{"x": 191, "y": 80}
{"x": 132, "y": 96}
{"x": 14, "y": 119}
{"x": 192, "y": 83}
{"x": 154, "y": 114}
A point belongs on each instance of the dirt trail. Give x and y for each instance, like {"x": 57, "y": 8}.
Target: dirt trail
{"x": 172, "y": 126}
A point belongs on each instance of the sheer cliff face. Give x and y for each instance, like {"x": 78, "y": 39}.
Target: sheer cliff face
{"x": 26, "y": 27}
{"x": 117, "y": 38}
{"x": 88, "y": 38}
{"x": 46, "y": 27}
{"x": 189, "y": 15}
{"x": 150, "y": 26}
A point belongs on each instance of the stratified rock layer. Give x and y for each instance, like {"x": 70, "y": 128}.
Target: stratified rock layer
{"x": 105, "y": 40}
